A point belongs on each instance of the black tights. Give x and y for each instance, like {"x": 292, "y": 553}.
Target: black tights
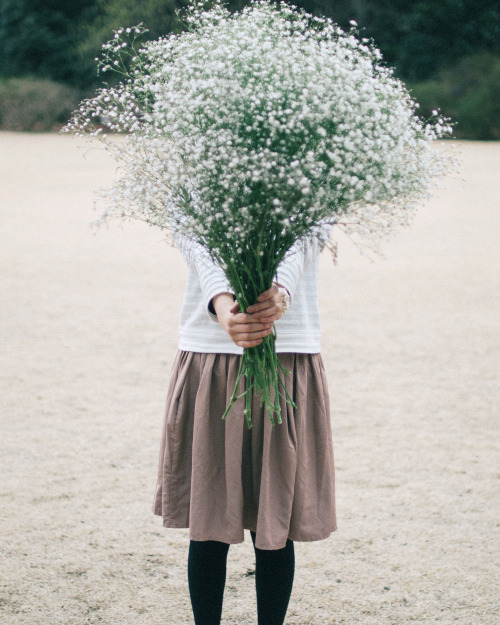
{"x": 274, "y": 572}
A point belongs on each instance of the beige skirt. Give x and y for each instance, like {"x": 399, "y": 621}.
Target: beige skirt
{"x": 219, "y": 478}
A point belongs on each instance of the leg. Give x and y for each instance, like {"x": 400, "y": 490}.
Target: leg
{"x": 207, "y": 577}
{"x": 274, "y": 572}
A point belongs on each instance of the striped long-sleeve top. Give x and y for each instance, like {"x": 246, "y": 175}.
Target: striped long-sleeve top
{"x": 298, "y": 330}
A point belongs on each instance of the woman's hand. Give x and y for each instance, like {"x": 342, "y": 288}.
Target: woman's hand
{"x": 248, "y": 329}
{"x": 270, "y": 305}
{"x": 244, "y": 329}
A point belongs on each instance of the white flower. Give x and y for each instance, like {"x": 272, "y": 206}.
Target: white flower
{"x": 264, "y": 103}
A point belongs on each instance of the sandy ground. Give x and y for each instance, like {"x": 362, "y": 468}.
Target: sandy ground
{"x": 88, "y": 330}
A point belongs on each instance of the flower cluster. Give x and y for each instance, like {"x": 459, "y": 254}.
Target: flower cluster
{"x": 249, "y": 130}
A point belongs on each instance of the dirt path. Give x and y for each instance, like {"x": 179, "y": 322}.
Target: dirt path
{"x": 88, "y": 333}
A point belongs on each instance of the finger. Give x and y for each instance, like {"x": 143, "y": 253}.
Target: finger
{"x": 241, "y": 338}
{"x": 248, "y": 328}
{"x": 235, "y": 309}
{"x": 273, "y": 307}
{"x": 247, "y": 344}
{"x": 271, "y": 315}
{"x": 243, "y": 318}
{"x": 273, "y": 302}
{"x": 250, "y": 339}
{"x": 268, "y": 294}
{"x": 261, "y": 305}
{"x": 251, "y": 331}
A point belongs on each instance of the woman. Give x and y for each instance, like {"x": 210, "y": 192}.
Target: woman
{"x": 216, "y": 476}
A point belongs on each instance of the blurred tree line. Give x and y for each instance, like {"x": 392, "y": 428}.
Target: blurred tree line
{"x": 448, "y": 52}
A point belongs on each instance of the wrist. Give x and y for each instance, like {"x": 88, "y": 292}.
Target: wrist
{"x": 220, "y": 303}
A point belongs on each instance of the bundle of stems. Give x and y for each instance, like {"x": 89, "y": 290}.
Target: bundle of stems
{"x": 259, "y": 367}
{"x": 247, "y": 131}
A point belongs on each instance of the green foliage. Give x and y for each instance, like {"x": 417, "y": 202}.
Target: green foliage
{"x": 436, "y": 34}
{"x": 421, "y": 37}
{"x": 110, "y": 15}
{"x": 35, "y": 104}
{"x": 37, "y": 37}
{"x": 60, "y": 40}
{"x": 469, "y": 93}
{"x": 158, "y": 17}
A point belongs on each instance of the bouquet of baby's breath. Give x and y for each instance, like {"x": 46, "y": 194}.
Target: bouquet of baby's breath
{"x": 248, "y": 131}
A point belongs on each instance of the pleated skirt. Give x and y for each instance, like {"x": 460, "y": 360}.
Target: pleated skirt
{"x": 218, "y": 477}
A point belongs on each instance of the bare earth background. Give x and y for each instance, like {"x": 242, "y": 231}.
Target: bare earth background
{"x": 88, "y": 331}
